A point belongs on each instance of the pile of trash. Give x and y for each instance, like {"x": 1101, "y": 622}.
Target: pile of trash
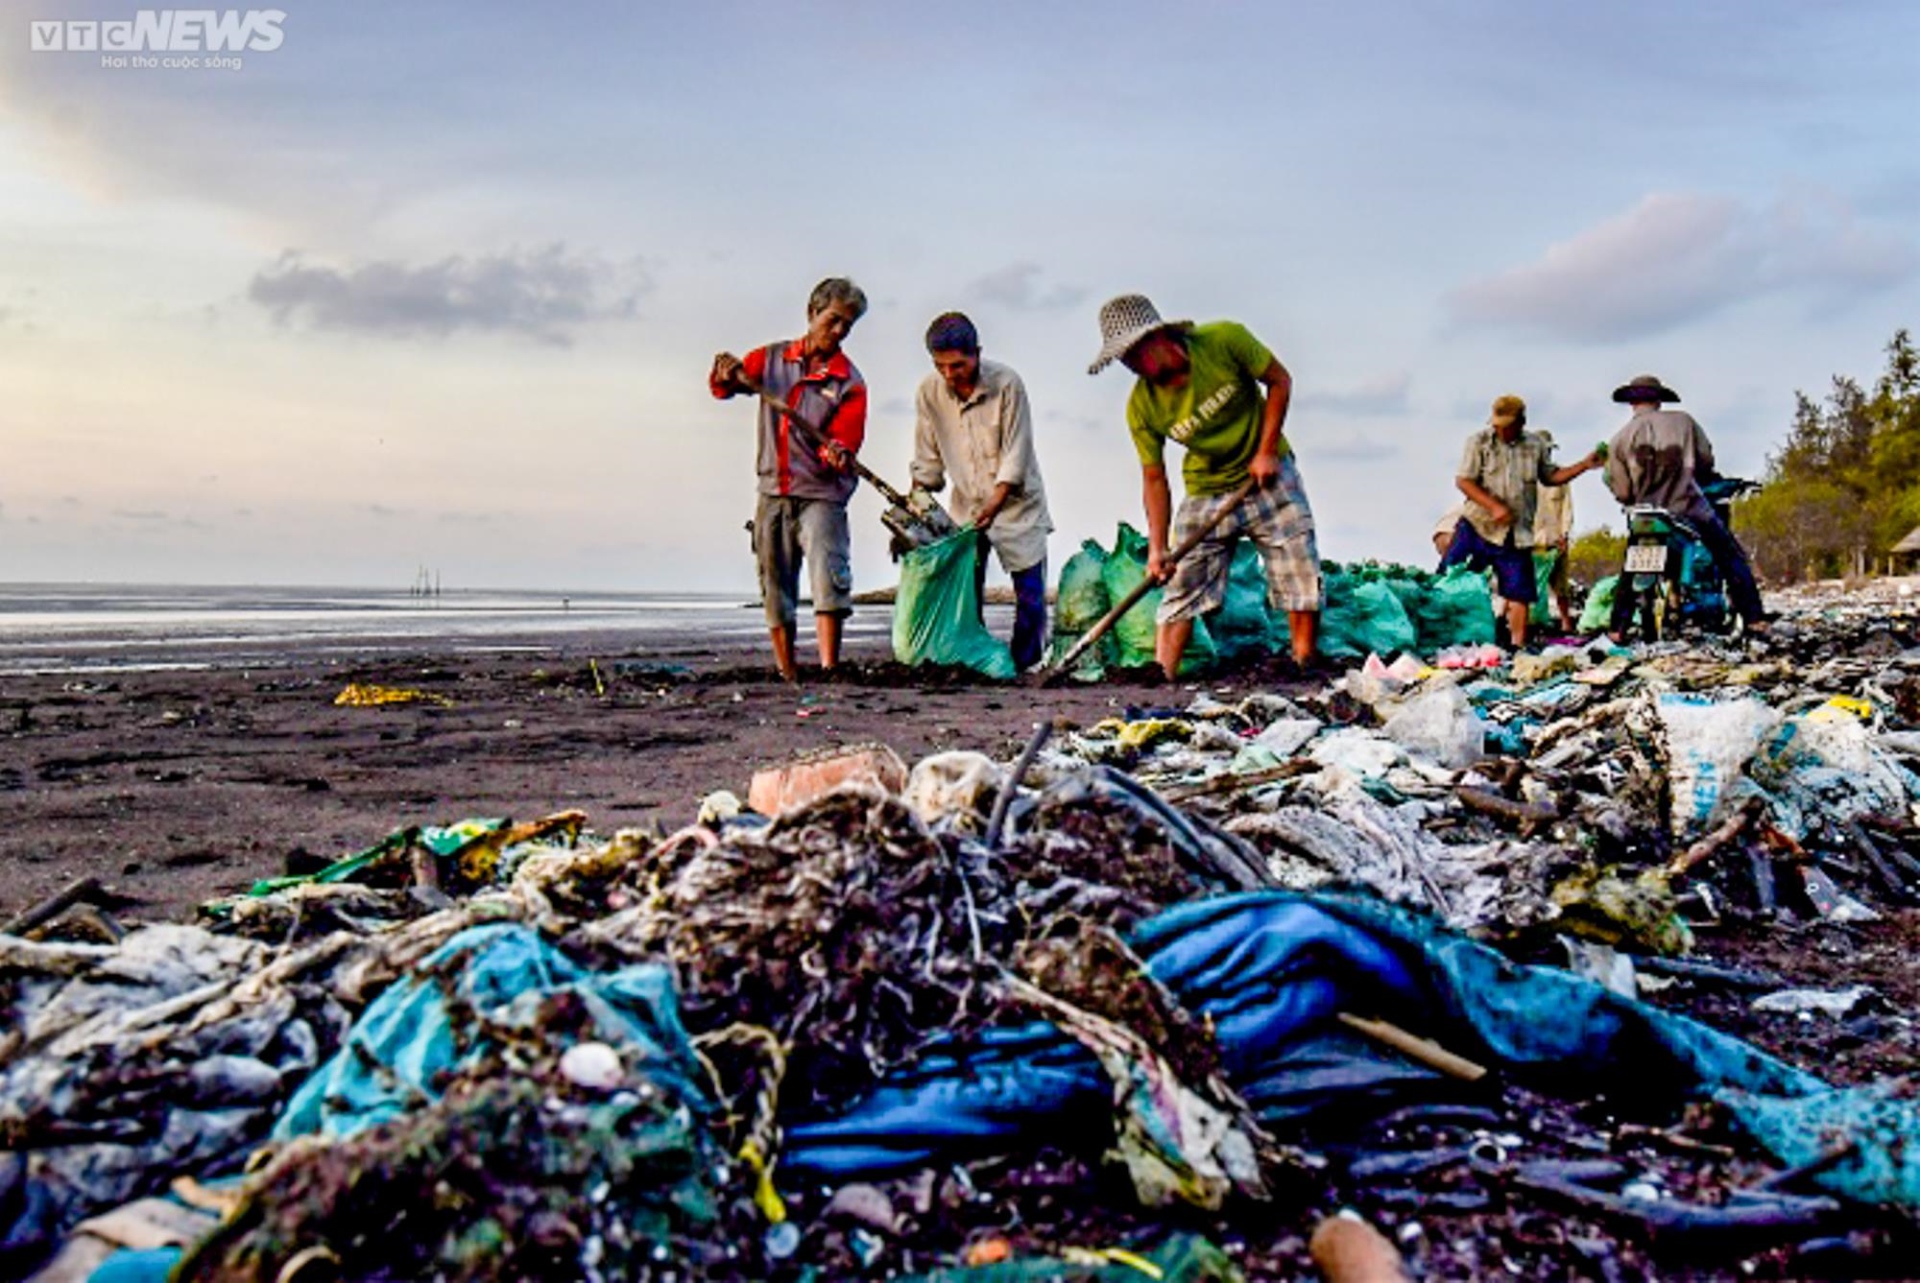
{"x": 1157, "y": 997}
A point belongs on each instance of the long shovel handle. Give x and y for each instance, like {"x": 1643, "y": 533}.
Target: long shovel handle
{"x": 814, "y": 437}
{"x": 1088, "y": 639}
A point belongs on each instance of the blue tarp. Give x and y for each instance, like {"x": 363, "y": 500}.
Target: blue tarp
{"x": 1271, "y": 969}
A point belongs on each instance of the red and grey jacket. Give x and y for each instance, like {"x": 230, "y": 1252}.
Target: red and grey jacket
{"x": 832, "y": 396}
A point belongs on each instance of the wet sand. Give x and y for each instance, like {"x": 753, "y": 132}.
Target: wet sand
{"x": 180, "y": 785}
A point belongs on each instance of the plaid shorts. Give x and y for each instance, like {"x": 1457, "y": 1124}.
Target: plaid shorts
{"x": 1280, "y": 524}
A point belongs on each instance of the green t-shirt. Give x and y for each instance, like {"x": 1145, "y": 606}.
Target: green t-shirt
{"x": 1216, "y": 416}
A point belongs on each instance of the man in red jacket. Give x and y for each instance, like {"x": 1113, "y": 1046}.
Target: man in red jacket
{"x": 802, "y": 510}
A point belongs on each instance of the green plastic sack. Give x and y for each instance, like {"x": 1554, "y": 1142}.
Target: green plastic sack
{"x": 1412, "y": 592}
{"x": 936, "y": 616}
{"x": 1080, "y": 600}
{"x": 1241, "y": 628}
{"x": 1542, "y": 611}
{"x": 1456, "y": 611}
{"x": 1363, "y": 617}
{"x": 1597, "y": 615}
{"x": 1133, "y": 636}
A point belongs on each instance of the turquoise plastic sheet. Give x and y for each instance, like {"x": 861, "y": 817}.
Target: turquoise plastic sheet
{"x": 483, "y": 982}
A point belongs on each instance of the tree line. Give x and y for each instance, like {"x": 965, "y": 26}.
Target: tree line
{"x": 1844, "y": 487}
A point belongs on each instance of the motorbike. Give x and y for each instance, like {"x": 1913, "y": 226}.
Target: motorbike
{"x": 1668, "y": 571}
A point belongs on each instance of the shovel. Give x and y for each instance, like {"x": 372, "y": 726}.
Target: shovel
{"x": 1056, "y": 673}
{"x": 916, "y": 520}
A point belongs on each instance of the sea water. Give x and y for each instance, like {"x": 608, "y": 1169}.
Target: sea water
{"x": 120, "y": 627}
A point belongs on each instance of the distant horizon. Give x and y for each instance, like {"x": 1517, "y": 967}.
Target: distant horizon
{"x": 7, "y": 585}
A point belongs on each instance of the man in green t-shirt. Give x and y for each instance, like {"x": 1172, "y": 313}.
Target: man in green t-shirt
{"x": 1216, "y": 390}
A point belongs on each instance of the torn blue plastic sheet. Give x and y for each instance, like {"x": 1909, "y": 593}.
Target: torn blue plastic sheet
{"x": 1271, "y": 971}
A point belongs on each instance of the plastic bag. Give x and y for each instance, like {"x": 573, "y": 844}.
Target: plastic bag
{"x": 1597, "y": 615}
{"x": 936, "y": 616}
{"x": 1457, "y": 610}
{"x": 1708, "y": 746}
{"x": 1544, "y": 563}
{"x": 1367, "y": 618}
{"x": 1242, "y": 627}
{"x": 1439, "y": 724}
{"x": 1079, "y": 603}
{"x": 1132, "y": 637}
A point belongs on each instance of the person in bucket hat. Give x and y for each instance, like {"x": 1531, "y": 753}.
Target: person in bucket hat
{"x": 1501, "y": 472}
{"x": 1217, "y": 391}
{"x": 1656, "y": 460}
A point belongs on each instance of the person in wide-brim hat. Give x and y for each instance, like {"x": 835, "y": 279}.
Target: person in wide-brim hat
{"x": 1656, "y": 460}
{"x": 1219, "y": 392}
{"x": 1645, "y": 389}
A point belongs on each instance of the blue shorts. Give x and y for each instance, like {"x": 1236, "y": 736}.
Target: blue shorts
{"x": 1512, "y": 567}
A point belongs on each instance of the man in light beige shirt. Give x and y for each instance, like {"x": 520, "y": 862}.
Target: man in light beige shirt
{"x": 1501, "y": 472}
{"x": 973, "y": 424}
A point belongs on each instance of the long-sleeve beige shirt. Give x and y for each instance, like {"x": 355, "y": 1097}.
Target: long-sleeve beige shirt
{"x": 980, "y": 443}
{"x": 1657, "y": 459}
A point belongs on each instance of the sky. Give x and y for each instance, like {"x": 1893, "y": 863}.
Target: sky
{"x": 438, "y": 284}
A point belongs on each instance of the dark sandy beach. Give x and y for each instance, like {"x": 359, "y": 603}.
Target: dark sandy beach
{"x": 178, "y": 786}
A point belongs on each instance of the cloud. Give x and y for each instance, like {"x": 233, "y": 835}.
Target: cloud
{"x": 379, "y": 510}
{"x": 1383, "y": 394}
{"x": 1018, "y": 287}
{"x": 542, "y": 295}
{"x": 1675, "y": 258}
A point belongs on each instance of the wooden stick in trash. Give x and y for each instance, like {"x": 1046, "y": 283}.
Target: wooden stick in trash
{"x": 1052, "y": 676}
{"x": 53, "y": 906}
{"x": 1710, "y": 845}
{"x": 1425, "y": 1050}
{"x": 1348, "y": 1250}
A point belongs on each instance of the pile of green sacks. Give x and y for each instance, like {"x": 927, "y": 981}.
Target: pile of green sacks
{"x": 1366, "y": 608}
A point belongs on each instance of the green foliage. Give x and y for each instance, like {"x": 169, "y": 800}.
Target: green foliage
{"x": 1593, "y": 556}
{"x": 1845, "y": 485}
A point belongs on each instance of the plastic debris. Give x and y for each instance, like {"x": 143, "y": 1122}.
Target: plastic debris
{"x": 367, "y": 695}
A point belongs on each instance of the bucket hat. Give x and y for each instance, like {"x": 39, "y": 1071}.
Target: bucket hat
{"x": 1505, "y": 410}
{"x": 1124, "y": 321}
{"x": 1644, "y": 387}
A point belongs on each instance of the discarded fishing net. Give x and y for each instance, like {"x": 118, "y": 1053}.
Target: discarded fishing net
{"x": 850, "y": 936}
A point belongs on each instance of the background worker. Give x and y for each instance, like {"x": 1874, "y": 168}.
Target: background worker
{"x": 1656, "y": 460}
{"x": 1216, "y": 390}
{"x": 1501, "y": 471}
{"x": 1553, "y": 537}
{"x": 801, "y": 514}
{"x": 973, "y": 423}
